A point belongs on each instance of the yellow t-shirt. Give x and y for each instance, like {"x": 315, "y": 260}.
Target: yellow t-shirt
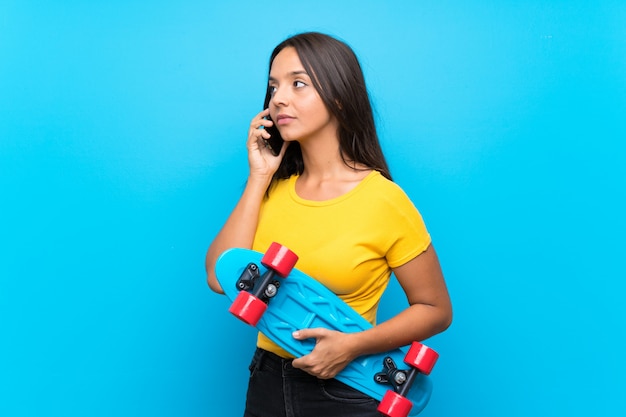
{"x": 349, "y": 243}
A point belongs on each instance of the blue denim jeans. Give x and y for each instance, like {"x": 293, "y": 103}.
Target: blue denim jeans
{"x": 277, "y": 389}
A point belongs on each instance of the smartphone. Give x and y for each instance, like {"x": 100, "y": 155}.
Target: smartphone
{"x": 275, "y": 142}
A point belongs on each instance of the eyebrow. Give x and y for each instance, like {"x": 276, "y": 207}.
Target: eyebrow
{"x": 292, "y": 73}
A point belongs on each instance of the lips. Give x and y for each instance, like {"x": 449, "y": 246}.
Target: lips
{"x": 283, "y": 119}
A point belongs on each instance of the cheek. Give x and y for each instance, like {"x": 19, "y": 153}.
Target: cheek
{"x": 318, "y": 111}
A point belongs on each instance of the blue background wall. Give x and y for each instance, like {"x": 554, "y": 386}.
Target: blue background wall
{"x": 122, "y": 132}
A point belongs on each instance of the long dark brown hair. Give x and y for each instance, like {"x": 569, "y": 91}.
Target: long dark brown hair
{"x": 338, "y": 78}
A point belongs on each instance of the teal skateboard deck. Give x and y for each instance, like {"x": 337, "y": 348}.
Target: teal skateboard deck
{"x": 270, "y": 294}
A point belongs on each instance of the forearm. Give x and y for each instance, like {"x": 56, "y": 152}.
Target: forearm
{"x": 416, "y": 323}
{"x": 240, "y": 227}
{"x": 334, "y": 350}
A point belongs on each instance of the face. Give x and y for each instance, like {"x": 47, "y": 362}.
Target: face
{"x": 295, "y": 106}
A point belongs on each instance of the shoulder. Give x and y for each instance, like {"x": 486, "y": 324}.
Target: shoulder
{"x": 385, "y": 189}
{"x": 279, "y": 186}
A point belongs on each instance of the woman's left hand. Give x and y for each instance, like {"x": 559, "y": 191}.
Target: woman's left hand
{"x": 332, "y": 352}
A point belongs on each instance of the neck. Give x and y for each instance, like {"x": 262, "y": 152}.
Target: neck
{"x": 322, "y": 159}
{"x": 325, "y": 174}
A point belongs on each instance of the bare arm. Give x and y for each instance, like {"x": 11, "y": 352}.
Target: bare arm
{"x": 429, "y": 313}
{"x": 240, "y": 227}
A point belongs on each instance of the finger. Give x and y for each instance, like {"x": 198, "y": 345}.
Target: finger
{"x": 262, "y": 114}
{"x": 261, "y": 120}
{"x": 258, "y": 136}
{"x": 308, "y": 333}
{"x": 306, "y": 364}
{"x": 260, "y": 124}
{"x": 303, "y": 362}
{"x": 301, "y": 334}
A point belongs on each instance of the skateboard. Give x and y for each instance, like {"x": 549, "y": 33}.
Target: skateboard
{"x": 269, "y": 293}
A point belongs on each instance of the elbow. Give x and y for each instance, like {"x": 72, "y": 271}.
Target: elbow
{"x": 211, "y": 278}
{"x": 445, "y": 319}
{"x": 440, "y": 319}
{"x": 215, "y": 286}
{"x": 446, "y": 322}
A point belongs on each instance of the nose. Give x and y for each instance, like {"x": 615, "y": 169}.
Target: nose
{"x": 279, "y": 98}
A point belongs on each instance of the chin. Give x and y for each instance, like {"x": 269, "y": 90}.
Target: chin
{"x": 287, "y": 137}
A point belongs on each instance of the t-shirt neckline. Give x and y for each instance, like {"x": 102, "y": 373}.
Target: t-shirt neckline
{"x": 294, "y": 195}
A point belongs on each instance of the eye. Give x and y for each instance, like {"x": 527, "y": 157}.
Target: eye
{"x": 299, "y": 84}
{"x": 271, "y": 90}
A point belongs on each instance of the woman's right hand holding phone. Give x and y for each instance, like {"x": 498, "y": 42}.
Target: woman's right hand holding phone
{"x": 263, "y": 164}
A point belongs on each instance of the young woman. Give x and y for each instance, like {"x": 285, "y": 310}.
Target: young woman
{"x": 328, "y": 196}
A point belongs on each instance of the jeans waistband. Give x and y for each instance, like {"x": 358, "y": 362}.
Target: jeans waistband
{"x": 271, "y": 360}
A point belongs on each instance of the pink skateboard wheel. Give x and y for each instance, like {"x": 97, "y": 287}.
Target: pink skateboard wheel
{"x": 248, "y": 308}
{"x": 421, "y": 357}
{"x": 395, "y": 405}
{"x": 280, "y": 259}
